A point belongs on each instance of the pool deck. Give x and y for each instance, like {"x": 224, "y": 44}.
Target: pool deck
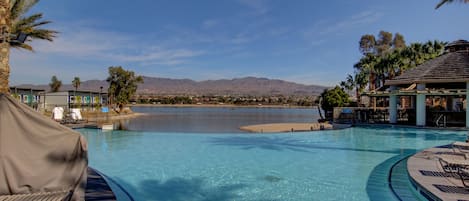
{"x": 97, "y": 189}
{"x": 429, "y": 177}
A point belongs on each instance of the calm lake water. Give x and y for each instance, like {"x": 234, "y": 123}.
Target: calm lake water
{"x": 213, "y": 119}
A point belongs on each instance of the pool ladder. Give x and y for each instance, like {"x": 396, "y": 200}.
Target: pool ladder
{"x": 437, "y": 122}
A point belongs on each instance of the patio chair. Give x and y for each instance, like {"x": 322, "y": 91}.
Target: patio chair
{"x": 464, "y": 175}
{"x": 451, "y": 164}
{"x": 41, "y": 196}
{"x": 461, "y": 148}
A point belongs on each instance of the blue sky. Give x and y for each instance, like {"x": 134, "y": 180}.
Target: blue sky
{"x": 305, "y": 41}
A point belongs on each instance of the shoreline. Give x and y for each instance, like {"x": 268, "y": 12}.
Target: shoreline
{"x": 287, "y": 127}
{"x": 100, "y": 118}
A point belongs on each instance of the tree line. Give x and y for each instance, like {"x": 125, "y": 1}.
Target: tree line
{"x": 384, "y": 57}
{"x": 225, "y": 99}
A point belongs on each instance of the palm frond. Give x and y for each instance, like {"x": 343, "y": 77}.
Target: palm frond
{"x": 29, "y": 25}
{"x": 29, "y": 20}
{"x": 41, "y": 23}
{"x": 21, "y": 7}
{"x": 442, "y": 2}
{"x": 22, "y": 46}
{"x": 43, "y": 34}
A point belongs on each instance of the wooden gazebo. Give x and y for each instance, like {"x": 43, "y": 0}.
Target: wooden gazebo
{"x": 437, "y": 90}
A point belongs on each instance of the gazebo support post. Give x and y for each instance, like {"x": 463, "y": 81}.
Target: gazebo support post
{"x": 421, "y": 109}
{"x": 467, "y": 108}
{"x": 392, "y": 106}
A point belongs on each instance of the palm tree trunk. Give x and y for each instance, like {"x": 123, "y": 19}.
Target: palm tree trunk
{"x": 319, "y": 110}
{"x": 4, "y": 46}
{"x": 357, "y": 94}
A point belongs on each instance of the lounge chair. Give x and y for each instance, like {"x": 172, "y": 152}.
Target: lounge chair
{"x": 75, "y": 114}
{"x": 464, "y": 175}
{"x": 452, "y": 164}
{"x": 462, "y": 147}
{"x": 58, "y": 113}
{"x": 41, "y": 196}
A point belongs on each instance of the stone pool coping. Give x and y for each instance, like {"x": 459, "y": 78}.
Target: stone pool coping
{"x": 429, "y": 179}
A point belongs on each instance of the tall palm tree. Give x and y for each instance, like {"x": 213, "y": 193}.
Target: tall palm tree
{"x": 55, "y": 84}
{"x": 76, "y": 83}
{"x": 368, "y": 64}
{"x": 4, "y": 45}
{"x": 14, "y": 22}
{"x": 442, "y": 2}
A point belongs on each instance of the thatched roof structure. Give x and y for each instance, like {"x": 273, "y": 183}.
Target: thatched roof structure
{"x": 453, "y": 66}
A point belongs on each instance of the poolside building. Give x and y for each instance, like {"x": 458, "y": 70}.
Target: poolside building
{"x": 433, "y": 93}
{"x": 75, "y": 99}
{"x": 29, "y": 96}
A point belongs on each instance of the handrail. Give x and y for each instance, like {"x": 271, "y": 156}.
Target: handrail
{"x": 437, "y": 122}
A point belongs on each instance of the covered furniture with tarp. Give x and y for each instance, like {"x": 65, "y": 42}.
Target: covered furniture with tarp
{"x": 39, "y": 157}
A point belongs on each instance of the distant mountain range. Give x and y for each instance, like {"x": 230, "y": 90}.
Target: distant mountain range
{"x": 237, "y": 86}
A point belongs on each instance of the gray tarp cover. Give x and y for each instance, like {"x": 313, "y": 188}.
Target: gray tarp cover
{"x": 38, "y": 154}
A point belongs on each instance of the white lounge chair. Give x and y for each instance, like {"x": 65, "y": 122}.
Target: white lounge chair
{"x": 451, "y": 164}
{"x": 58, "y": 113}
{"x": 464, "y": 175}
{"x": 75, "y": 114}
{"x": 461, "y": 148}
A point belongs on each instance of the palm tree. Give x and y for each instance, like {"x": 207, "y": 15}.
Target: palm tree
{"x": 368, "y": 64}
{"x": 4, "y": 46}
{"x": 76, "y": 83}
{"x": 55, "y": 84}
{"x": 442, "y": 2}
{"x": 14, "y": 22}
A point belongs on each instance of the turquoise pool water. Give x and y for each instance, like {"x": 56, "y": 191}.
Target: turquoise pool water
{"x": 349, "y": 164}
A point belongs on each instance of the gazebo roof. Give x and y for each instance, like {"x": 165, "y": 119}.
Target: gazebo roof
{"x": 453, "y": 66}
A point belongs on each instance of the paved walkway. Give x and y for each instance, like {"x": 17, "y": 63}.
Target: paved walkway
{"x": 425, "y": 169}
{"x": 97, "y": 188}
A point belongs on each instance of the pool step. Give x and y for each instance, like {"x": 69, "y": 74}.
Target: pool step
{"x": 400, "y": 183}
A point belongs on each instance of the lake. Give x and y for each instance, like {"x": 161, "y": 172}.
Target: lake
{"x": 213, "y": 119}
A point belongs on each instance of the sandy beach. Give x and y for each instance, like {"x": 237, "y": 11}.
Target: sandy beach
{"x": 286, "y": 127}
{"x": 103, "y": 117}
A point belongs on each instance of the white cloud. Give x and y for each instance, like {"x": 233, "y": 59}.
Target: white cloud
{"x": 83, "y": 43}
{"x": 240, "y": 39}
{"x": 318, "y": 42}
{"x": 258, "y": 7}
{"x": 210, "y": 23}
{"x": 324, "y": 28}
{"x": 355, "y": 21}
{"x": 87, "y": 52}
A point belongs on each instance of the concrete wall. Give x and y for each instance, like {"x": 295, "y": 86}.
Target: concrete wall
{"x": 53, "y": 99}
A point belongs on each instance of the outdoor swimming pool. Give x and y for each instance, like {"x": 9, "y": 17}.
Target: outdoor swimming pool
{"x": 347, "y": 164}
